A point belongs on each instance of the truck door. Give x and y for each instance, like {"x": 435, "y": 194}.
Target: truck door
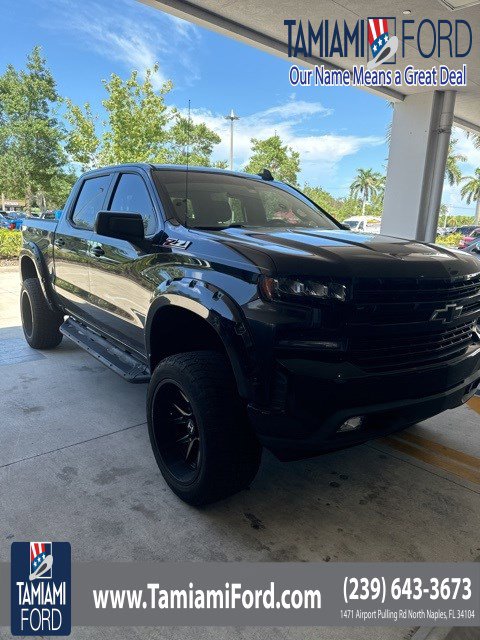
{"x": 72, "y": 245}
{"x": 119, "y": 295}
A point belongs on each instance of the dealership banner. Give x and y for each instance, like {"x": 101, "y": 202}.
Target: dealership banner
{"x": 50, "y": 598}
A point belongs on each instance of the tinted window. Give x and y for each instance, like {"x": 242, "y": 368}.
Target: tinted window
{"x": 131, "y": 196}
{"x": 217, "y": 200}
{"x": 90, "y": 201}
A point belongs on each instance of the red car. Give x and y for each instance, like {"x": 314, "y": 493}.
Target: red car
{"x": 468, "y": 239}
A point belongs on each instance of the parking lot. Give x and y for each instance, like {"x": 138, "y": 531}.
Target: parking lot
{"x": 76, "y": 464}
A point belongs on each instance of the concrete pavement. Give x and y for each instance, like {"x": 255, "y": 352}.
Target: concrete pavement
{"x": 76, "y": 464}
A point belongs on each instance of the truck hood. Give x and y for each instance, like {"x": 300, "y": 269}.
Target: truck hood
{"x": 314, "y": 252}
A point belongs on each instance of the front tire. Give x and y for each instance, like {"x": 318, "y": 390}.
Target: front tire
{"x": 40, "y": 324}
{"x": 198, "y": 430}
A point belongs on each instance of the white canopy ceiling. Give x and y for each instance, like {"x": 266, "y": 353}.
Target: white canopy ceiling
{"x": 261, "y": 25}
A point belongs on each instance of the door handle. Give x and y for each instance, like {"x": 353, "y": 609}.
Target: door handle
{"x": 98, "y": 251}
{"x": 60, "y": 242}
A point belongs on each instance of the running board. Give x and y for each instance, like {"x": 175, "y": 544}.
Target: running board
{"x": 123, "y": 363}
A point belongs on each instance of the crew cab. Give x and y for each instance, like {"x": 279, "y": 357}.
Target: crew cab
{"x": 256, "y": 319}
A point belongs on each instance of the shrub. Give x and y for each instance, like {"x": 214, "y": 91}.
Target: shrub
{"x": 10, "y": 243}
{"x": 452, "y": 240}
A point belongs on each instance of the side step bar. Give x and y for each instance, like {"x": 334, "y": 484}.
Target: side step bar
{"x": 123, "y": 363}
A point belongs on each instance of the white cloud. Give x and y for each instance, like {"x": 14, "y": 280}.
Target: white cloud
{"x": 132, "y": 35}
{"x": 321, "y": 152}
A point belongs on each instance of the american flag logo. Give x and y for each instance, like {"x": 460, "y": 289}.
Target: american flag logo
{"x": 383, "y": 46}
{"x": 41, "y": 560}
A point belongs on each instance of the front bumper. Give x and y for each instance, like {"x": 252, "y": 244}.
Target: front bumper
{"x": 318, "y": 397}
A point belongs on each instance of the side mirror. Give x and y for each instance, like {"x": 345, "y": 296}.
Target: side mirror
{"x": 346, "y": 226}
{"x": 116, "y": 224}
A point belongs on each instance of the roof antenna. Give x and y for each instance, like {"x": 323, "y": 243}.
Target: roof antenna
{"x": 266, "y": 174}
{"x": 186, "y": 172}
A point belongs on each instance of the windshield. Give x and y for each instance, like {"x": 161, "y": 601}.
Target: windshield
{"x": 12, "y": 215}
{"x": 217, "y": 201}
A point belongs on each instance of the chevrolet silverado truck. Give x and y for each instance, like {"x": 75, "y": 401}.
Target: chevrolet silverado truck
{"x": 256, "y": 319}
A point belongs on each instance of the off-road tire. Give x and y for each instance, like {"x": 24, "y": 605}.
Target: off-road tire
{"x": 40, "y": 324}
{"x": 230, "y": 454}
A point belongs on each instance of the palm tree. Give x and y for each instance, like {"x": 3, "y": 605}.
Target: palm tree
{"x": 366, "y": 185}
{"x": 453, "y": 173}
{"x": 471, "y": 192}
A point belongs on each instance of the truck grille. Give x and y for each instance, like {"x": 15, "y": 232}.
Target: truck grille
{"x": 378, "y": 290}
{"x": 393, "y": 327}
{"x": 387, "y": 354}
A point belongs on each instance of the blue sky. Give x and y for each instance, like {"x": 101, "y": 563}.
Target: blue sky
{"x": 336, "y": 130}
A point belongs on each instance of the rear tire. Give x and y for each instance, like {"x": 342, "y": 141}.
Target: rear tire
{"x": 198, "y": 428}
{"x": 40, "y": 324}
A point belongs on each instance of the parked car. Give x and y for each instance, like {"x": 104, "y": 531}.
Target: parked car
{"x": 251, "y": 330}
{"x": 363, "y": 224}
{"x": 47, "y": 215}
{"x": 12, "y": 220}
{"x": 465, "y": 230}
{"x": 474, "y": 248}
{"x": 446, "y": 231}
{"x": 468, "y": 239}
{"x": 4, "y": 222}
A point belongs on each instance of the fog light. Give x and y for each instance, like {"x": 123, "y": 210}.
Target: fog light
{"x": 352, "y": 424}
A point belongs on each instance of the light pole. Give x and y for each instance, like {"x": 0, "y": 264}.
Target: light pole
{"x": 232, "y": 116}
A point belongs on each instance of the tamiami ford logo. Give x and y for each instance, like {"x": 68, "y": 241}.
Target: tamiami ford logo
{"x": 40, "y": 587}
{"x": 375, "y": 45}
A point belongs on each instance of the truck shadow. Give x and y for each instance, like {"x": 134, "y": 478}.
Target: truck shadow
{"x": 358, "y": 504}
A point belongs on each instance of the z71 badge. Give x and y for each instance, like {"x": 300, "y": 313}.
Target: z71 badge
{"x": 175, "y": 242}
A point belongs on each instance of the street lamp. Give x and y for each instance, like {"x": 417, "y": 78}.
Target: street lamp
{"x": 232, "y": 116}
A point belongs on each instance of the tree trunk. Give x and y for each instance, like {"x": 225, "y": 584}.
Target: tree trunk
{"x": 477, "y": 212}
{"x": 28, "y": 200}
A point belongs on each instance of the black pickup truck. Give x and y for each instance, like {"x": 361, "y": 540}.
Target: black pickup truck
{"x": 256, "y": 318}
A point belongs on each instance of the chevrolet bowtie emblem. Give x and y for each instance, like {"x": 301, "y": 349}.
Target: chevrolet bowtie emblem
{"x": 448, "y": 313}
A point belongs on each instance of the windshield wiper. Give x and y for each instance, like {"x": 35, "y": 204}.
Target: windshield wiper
{"x": 234, "y": 225}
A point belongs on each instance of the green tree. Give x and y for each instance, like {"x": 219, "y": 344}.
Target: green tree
{"x": 139, "y": 127}
{"x": 321, "y": 197}
{"x": 189, "y": 141}
{"x": 470, "y": 192}
{"x": 375, "y": 206}
{"x": 30, "y": 133}
{"x": 453, "y": 173}
{"x": 61, "y": 186}
{"x": 339, "y": 208}
{"x": 280, "y": 159}
{"x": 82, "y": 142}
{"x": 137, "y": 118}
{"x": 366, "y": 185}
{"x": 476, "y": 142}
{"x": 348, "y": 207}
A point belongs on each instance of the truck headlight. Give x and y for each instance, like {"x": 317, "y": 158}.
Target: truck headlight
{"x": 292, "y": 289}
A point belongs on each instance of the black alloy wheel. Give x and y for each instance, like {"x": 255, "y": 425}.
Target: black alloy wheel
{"x": 198, "y": 427}
{"x": 176, "y": 433}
